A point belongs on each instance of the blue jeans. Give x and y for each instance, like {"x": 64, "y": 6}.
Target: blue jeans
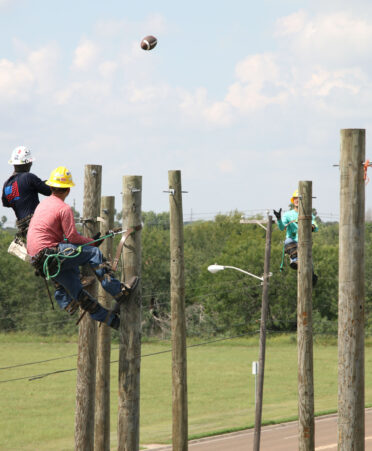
{"x": 69, "y": 278}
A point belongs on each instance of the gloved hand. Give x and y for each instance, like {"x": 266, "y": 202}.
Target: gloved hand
{"x": 278, "y": 214}
{"x": 95, "y": 237}
{"x": 312, "y": 227}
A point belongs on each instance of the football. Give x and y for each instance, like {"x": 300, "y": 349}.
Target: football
{"x": 149, "y": 42}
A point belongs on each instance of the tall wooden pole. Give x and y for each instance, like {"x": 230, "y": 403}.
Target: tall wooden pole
{"x": 351, "y": 292}
{"x": 130, "y": 323}
{"x": 179, "y": 365}
{"x": 261, "y": 358}
{"x": 102, "y": 417}
{"x": 86, "y": 365}
{"x": 304, "y": 320}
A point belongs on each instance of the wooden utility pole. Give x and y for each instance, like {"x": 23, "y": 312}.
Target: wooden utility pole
{"x": 304, "y": 320}
{"x": 130, "y": 323}
{"x": 351, "y": 292}
{"x": 102, "y": 417}
{"x": 177, "y": 288}
{"x": 86, "y": 364}
{"x": 261, "y": 358}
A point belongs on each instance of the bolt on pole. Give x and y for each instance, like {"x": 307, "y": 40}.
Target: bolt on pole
{"x": 86, "y": 364}
{"x": 304, "y": 320}
{"x": 351, "y": 292}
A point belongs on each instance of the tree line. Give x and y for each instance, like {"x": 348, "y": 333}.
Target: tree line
{"x": 226, "y": 302}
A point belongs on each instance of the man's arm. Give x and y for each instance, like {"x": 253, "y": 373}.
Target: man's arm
{"x": 40, "y": 186}
{"x": 283, "y": 221}
{"x": 69, "y": 228}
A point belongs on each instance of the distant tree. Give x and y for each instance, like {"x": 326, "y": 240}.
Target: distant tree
{"x": 3, "y": 221}
{"x": 152, "y": 219}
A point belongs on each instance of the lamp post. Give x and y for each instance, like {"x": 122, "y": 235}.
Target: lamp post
{"x": 264, "y": 309}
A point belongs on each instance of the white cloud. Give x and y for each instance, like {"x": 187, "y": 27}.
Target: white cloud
{"x": 108, "y": 68}
{"x": 226, "y": 166}
{"x": 20, "y": 80}
{"x": 323, "y": 62}
{"x": 43, "y": 63}
{"x": 15, "y": 80}
{"x": 294, "y": 23}
{"x": 196, "y": 106}
{"x": 88, "y": 93}
{"x": 154, "y": 24}
{"x": 259, "y": 84}
{"x": 85, "y": 54}
{"x": 334, "y": 38}
{"x": 147, "y": 94}
{"x": 322, "y": 81}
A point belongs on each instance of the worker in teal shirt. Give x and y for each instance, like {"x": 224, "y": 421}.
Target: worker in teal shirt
{"x": 289, "y": 223}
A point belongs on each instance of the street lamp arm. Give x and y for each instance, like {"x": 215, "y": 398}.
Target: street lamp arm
{"x": 245, "y": 272}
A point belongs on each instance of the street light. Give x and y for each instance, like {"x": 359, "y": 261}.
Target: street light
{"x": 215, "y": 268}
{"x": 264, "y": 311}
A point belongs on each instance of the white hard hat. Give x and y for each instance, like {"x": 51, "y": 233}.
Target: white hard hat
{"x": 21, "y": 155}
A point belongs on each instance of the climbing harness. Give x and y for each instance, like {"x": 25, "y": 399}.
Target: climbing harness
{"x": 47, "y": 264}
{"x": 58, "y": 257}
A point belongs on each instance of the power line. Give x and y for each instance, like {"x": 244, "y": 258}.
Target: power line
{"x": 40, "y": 376}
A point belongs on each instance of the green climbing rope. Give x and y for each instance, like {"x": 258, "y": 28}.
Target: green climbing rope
{"x": 60, "y": 256}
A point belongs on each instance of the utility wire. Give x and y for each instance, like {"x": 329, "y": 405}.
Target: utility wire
{"x": 40, "y": 376}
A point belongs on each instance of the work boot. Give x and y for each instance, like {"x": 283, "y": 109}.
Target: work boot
{"x": 115, "y": 323}
{"x": 127, "y": 290}
{"x": 315, "y": 279}
{"x": 116, "y": 308}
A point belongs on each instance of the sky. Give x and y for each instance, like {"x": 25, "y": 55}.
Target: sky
{"x": 245, "y": 98}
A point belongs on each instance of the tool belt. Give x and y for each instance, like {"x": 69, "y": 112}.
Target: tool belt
{"x": 22, "y": 226}
{"x": 291, "y": 250}
{"x": 37, "y": 261}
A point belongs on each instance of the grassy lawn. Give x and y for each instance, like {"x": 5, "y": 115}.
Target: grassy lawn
{"x": 39, "y": 414}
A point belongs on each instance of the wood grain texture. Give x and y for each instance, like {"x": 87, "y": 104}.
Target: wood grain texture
{"x": 304, "y": 320}
{"x": 177, "y": 288}
{"x": 130, "y": 325}
{"x": 86, "y": 365}
{"x": 102, "y": 414}
{"x": 351, "y": 292}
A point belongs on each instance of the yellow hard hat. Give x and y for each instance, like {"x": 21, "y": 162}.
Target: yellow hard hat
{"x": 60, "y": 178}
{"x": 295, "y": 194}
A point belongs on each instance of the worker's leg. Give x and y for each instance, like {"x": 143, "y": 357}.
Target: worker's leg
{"x": 290, "y": 247}
{"x": 72, "y": 293}
{"x": 93, "y": 256}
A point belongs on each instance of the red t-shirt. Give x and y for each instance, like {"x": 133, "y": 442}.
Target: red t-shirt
{"x": 52, "y": 221}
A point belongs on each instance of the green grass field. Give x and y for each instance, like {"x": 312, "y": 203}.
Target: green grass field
{"x": 39, "y": 414}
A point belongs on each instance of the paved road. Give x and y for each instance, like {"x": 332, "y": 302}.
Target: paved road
{"x": 281, "y": 437}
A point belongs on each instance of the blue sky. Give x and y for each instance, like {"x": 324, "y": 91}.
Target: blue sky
{"x": 245, "y": 98}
